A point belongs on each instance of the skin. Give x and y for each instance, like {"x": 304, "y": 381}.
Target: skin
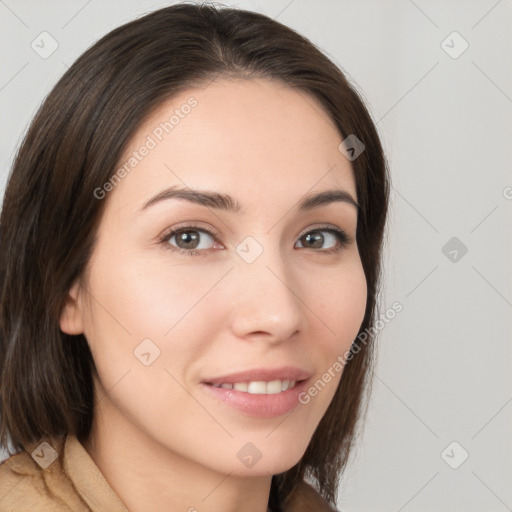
{"x": 161, "y": 442}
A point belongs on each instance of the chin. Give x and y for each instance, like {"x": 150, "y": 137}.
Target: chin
{"x": 274, "y": 464}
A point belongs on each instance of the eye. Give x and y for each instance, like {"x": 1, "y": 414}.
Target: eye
{"x": 190, "y": 240}
{"x": 315, "y": 239}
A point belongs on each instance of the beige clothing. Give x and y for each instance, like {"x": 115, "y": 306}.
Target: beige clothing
{"x": 66, "y": 479}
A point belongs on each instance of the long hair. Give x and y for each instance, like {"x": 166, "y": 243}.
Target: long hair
{"x": 50, "y": 215}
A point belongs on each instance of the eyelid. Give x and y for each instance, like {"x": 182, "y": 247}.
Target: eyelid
{"x": 189, "y": 225}
{"x": 327, "y": 227}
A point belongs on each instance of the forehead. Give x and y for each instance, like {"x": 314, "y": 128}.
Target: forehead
{"x": 253, "y": 139}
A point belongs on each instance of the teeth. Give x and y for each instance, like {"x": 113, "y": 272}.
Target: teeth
{"x": 260, "y": 387}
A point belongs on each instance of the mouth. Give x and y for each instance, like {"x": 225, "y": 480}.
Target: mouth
{"x": 257, "y": 399}
{"x": 259, "y": 387}
{"x": 272, "y": 378}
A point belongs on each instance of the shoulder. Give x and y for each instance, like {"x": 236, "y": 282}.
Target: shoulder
{"x": 26, "y": 485}
{"x": 305, "y": 498}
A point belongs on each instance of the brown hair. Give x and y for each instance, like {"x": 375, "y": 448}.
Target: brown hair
{"x": 50, "y": 215}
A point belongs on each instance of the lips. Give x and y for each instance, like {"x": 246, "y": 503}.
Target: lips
{"x": 252, "y": 401}
{"x": 261, "y": 374}
{"x": 260, "y": 405}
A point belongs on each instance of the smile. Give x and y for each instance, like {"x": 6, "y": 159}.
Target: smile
{"x": 259, "y": 387}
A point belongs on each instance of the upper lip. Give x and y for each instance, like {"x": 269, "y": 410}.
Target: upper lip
{"x": 262, "y": 374}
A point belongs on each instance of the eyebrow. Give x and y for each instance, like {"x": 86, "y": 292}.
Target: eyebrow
{"x": 226, "y": 202}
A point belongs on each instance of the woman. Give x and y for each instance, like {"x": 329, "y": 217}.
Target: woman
{"x": 192, "y": 235}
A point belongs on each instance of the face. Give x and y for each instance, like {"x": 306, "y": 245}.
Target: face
{"x": 181, "y": 293}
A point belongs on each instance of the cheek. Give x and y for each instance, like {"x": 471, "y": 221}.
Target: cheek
{"x": 134, "y": 302}
{"x": 151, "y": 298}
{"x": 143, "y": 329}
{"x": 340, "y": 304}
{"x": 340, "y": 308}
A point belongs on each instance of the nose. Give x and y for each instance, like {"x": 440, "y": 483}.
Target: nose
{"x": 266, "y": 299}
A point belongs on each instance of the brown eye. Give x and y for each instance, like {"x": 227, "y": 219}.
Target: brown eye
{"x": 188, "y": 240}
{"x": 315, "y": 239}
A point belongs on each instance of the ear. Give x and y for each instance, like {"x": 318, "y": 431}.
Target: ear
{"x": 71, "y": 315}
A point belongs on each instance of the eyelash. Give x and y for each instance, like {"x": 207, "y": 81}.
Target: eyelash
{"x": 342, "y": 237}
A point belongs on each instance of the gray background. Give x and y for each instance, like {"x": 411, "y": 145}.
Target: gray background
{"x": 444, "y": 366}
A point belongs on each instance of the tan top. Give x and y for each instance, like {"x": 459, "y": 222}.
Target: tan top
{"x": 43, "y": 481}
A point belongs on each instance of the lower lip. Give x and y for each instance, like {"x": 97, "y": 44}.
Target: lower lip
{"x": 260, "y": 406}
